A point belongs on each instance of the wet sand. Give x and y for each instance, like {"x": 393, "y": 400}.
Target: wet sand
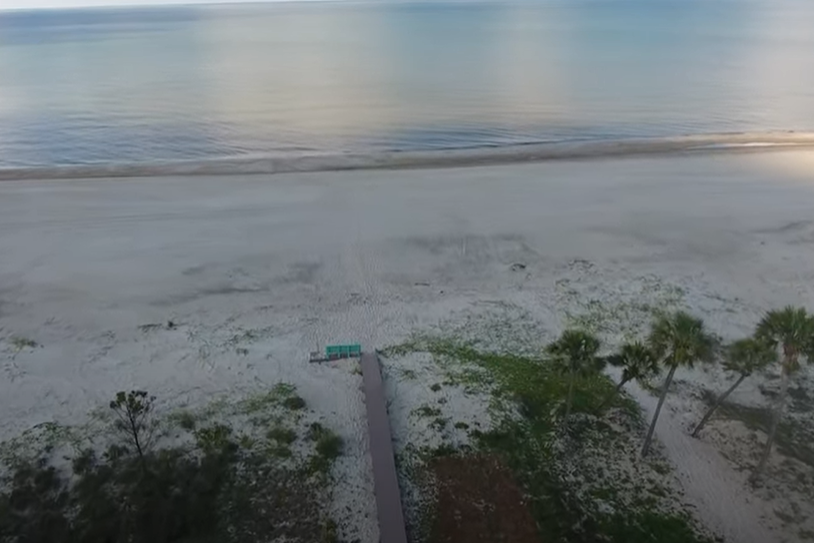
{"x": 304, "y": 259}
{"x": 290, "y": 162}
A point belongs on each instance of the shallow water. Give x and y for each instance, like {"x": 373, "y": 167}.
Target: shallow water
{"x": 189, "y": 83}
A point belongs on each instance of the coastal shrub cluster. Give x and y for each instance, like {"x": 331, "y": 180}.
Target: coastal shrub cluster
{"x": 570, "y": 438}
{"x": 783, "y": 340}
{"x": 217, "y": 482}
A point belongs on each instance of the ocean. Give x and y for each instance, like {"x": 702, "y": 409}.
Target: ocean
{"x": 173, "y": 84}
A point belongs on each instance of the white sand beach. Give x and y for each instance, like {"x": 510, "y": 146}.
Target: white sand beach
{"x": 279, "y": 265}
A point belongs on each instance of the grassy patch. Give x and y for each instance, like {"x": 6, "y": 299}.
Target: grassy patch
{"x": 19, "y": 343}
{"x": 627, "y": 314}
{"x": 567, "y": 470}
{"x": 527, "y": 383}
{"x": 328, "y": 446}
{"x": 45, "y": 438}
{"x": 213, "y": 438}
{"x": 278, "y": 394}
{"x": 427, "y": 411}
{"x": 185, "y": 419}
{"x": 293, "y": 403}
{"x": 439, "y": 423}
{"x": 286, "y": 436}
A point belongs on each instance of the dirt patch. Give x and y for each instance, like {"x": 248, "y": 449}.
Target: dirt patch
{"x": 478, "y": 501}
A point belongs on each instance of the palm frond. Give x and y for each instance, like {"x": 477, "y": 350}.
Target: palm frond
{"x": 681, "y": 340}
{"x": 749, "y": 355}
{"x": 638, "y": 362}
{"x": 575, "y": 351}
{"x": 792, "y": 328}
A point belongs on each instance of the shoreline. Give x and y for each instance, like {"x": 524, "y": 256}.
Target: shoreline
{"x": 399, "y": 160}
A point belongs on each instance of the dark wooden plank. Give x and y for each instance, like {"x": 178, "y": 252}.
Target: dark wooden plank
{"x": 385, "y": 480}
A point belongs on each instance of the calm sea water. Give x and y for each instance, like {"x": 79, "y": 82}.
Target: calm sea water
{"x": 133, "y": 85}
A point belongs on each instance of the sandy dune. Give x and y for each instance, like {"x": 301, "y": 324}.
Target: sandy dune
{"x": 255, "y": 271}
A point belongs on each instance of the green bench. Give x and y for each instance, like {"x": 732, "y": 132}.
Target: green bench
{"x": 332, "y": 352}
{"x": 337, "y": 352}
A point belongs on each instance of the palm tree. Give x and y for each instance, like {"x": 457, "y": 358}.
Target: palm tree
{"x": 744, "y": 357}
{"x": 678, "y": 339}
{"x": 637, "y": 363}
{"x": 574, "y": 354}
{"x": 792, "y": 329}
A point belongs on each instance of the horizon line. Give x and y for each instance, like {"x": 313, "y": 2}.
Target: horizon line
{"x": 174, "y": 3}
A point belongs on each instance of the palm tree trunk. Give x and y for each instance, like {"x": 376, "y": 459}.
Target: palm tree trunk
{"x": 778, "y": 413}
{"x": 612, "y": 395}
{"x": 717, "y": 404}
{"x": 570, "y": 397}
{"x": 649, "y": 438}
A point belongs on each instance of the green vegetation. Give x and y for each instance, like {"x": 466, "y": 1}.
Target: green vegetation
{"x": 294, "y": 403}
{"x": 218, "y": 484}
{"x": 631, "y": 313}
{"x": 279, "y": 393}
{"x": 328, "y": 447}
{"x": 19, "y": 343}
{"x": 574, "y": 355}
{"x": 427, "y": 411}
{"x": 287, "y": 436}
{"x": 574, "y": 491}
{"x": 583, "y": 481}
{"x": 638, "y": 364}
{"x": 439, "y": 423}
{"x": 213, "y": 438}
{"x": 185, "y": 419}
{"x": 259, "y": 466}
{"x": 133, "y": 419}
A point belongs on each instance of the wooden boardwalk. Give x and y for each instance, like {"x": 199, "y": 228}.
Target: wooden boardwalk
{"x": 385, "y": 480}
